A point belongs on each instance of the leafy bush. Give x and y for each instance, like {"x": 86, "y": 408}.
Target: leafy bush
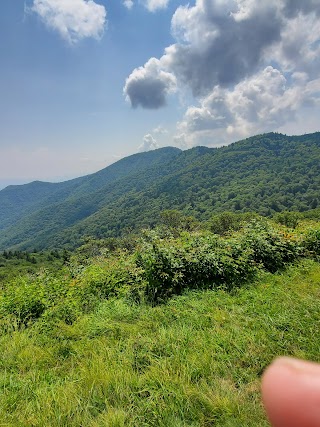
{"x": 26, "y": 299}
{"x": 288, "y": 219}
{"x": 114, "y": 276}
{"x": 224, "y": 222}
{"x": 270, "y": 247}
{"x": 197, "y": 263}
{"x": 230, "y": 221}
{"x": 311, "y": 242}
{"x": 175, "y": 221}
{"x": 202, "y": 261}
{"x": 22, "y": 301}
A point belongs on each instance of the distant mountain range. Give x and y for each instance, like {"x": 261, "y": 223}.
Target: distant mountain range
{"x": 266, "y": 174}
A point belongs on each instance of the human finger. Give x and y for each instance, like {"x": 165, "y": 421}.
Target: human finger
{"x": 291, "y": 393}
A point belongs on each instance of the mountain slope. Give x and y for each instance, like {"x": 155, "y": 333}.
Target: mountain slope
{"x": 266, "y": 174}
{"x": 26, "y": 214}
{"x": 20, "y": 200}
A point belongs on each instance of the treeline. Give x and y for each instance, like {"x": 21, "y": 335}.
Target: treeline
{"x": 34, "y": 255}
{"x": 15, "y": 263}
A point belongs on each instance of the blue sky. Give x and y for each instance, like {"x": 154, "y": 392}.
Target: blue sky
{"x": 84, "y": 83}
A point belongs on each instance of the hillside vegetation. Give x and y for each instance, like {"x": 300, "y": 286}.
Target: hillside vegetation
{"x": 266, "y": 174}
{"x": 174, "y": 330}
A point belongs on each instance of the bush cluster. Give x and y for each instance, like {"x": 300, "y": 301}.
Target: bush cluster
{"x": 272, "y": 249}
{"x": 200, "y": 262}
{"x": 162, "y": 266}
{"x": 207, "y": 261}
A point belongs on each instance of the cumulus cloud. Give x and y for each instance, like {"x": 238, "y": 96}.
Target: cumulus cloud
{"x": 153, "y": 5}
{"x": 149, "y": 143}
{"x": 299, "y": 50}
{"x": 128, "y": 4}
{"x": 251, "y": 66}
{"x": 261, "y": 103}
{"x": 72, "y": 19}
{"x": 148, "y": 86}
{"x": 217, "y": 47}
{"x": 160, "y": 130}
{"x": 293, "y": 7}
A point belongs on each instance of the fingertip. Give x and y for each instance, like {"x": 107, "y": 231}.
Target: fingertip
{"x": 291, "y": 393}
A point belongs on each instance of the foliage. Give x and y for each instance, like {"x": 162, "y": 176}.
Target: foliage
{"x": 289, "y": 219}
{"x": 271, "y": 248}
{"x": 200, "y": 262}
{"x": 15, "y": 263}
{"x": 90, "y": 344}
{"x": 175, "y": 222}
{"x": 229, "y": 221}
{"x": 311, "y": 242}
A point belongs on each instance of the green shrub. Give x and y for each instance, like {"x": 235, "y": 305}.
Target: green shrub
{"x": 270, "y": 248}
{"x": 311, "y": 242}
{"x": 170, "y": 267}
{"x": 22, "y": 301}
{"x": 224, "y": 222}
{"x": 289, "y": 219}
{"x": 205, "y": 261}
{"x": 163, "y": 266}
{"x": 116, "y": 276}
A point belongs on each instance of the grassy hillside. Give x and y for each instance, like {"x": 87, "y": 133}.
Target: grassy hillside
{"x": 196, "y": 361}
{"x": 266, "y": 174}
{"x": 107, "y": 341}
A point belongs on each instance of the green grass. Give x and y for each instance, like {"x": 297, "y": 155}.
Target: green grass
{"x": 194, "y": 362}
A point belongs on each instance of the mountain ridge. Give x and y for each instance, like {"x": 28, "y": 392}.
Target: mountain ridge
{"x": 57, "y": 192}
{"x": 266, "y": 173}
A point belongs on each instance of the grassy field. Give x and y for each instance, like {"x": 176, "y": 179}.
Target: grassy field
{"x": 194, "y": 361}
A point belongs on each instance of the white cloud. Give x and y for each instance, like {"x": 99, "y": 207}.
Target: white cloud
{"x": 261, "y": 103}
{"x": 215, "y": 47}
{"x": 160, "y": 130}
{"x": 299, "y": 48}
{"x": 149, "y": 85}
{"x": 151, "y": 5}
{"x": 128, "y": 4}
{"x": 149, "y": 143}
{"x": 72, "y": 19}
{"x": 154, "y": 5}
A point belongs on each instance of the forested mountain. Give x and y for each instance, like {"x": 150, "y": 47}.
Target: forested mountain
{"x": 16, "y": 201}
{"x": 266, "y": 174}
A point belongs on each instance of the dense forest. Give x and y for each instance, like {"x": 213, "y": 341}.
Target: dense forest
{"x": 265, "y": 174}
